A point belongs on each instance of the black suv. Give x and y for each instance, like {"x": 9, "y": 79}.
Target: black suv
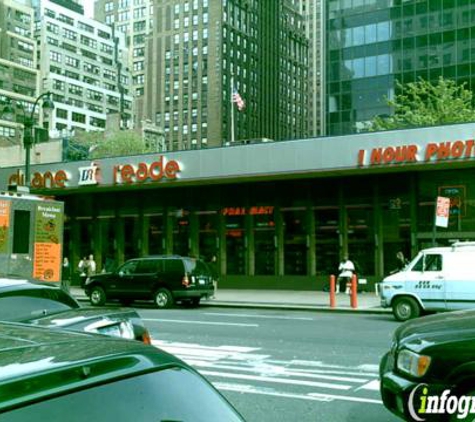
{"x": 166, "y": 279}
{"x": 431, "y": 361}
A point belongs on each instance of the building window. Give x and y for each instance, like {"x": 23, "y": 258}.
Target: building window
{"x": 78, "y": 118}
{"x": 61, "y": 114}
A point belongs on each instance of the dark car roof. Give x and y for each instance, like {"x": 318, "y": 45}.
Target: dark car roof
{"x": 35, "y": 361}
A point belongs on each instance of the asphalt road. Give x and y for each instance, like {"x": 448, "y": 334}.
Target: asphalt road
{"x": 283, "y": 366}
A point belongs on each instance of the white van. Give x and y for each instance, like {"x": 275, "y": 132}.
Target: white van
{"x": 437, "y": 279}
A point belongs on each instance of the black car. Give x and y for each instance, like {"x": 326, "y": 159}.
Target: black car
{"x": 49, "y": 306}
{"x": 430, "y": 358}
{"x": 51, "y": 375}
{"x": 165, "y": 279}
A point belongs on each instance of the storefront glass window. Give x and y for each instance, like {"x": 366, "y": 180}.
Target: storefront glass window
{"x": 235, "y": 245}
{"x": 327, "y": 237}
{"x": 295, "y": 241}
{"x": 264, "y": 243}
{"x": 156, "y": 235}
{"x": 361, "y": 247}
{"x": 109, "y": 244}
{"x": 181, "y": 232}
{"x": 131, "y": 237}
{"x": 208, "y": 234}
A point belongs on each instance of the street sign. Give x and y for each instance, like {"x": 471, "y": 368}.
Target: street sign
{"x": 442, "y": 212}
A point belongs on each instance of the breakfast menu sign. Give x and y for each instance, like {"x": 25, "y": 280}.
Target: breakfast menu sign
{"x": 4, "y": 225}
{"x": 47, "y": 255}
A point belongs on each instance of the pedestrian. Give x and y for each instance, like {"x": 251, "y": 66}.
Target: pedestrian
{"x": 401, "y": 262}
{"x": 346, "y": 269}
{"x": 213, "y": 266}
{"x": 65, "y": 274}
{"x": 91, "y": 266}
{"x": 82, "y": 271}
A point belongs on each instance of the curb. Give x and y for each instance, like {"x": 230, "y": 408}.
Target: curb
{"x": 282, "y": 306}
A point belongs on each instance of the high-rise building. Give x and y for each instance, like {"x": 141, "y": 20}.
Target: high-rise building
{"x": 82, "y": 64}
{"x": 202, "y": 54}
{"x": 133, "y": 18}
{"x": 18, "y": 73}
{"x": 314, "y": 15}
{"x": 372, "y": 44}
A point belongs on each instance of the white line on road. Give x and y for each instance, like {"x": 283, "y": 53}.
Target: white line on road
{"x": 283, "y": 372}
{"x": 247, "y": 389}
{"x": 277, "y": 380}
{"x": 372, "y": 386}
{"x": 182, "y": 321}
{"x": 258, "y": 316}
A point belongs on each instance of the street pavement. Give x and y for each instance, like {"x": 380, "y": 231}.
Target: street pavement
{"x": 282, "y": 299}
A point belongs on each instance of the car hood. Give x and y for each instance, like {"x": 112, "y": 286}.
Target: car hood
{"x": 423, "y": 332}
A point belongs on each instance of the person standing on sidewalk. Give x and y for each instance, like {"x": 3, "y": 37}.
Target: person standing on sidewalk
{"x": 346, "y": 269}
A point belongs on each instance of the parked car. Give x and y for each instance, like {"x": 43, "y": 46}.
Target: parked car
{"x": 434, "y": 353}
{"x": 165, "y": 279}
{"x": 49, "y": 306}
{"x": 437, "y": 279}
{"x": 51, "y": 375}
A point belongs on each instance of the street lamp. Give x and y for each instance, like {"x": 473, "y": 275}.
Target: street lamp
{"x": 28, "y": 124}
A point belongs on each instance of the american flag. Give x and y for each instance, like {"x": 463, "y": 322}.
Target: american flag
{"x": 238, "y": 100}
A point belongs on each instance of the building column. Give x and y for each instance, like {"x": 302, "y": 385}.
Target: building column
{"x": 378, "y": 234}
{"x": 119, "y": 240}
{"x": 311, "y": 247}
{"x": 279, "y": 241}
{"x": 168, "y": 223}
{"x": 413, "y": 204}
{"x": 249, "y": 244}
{"x": 97, "y": 242}
{"x": 194, "y": 239}
{"x": 144, "y": 236}
{"x": 343, "y": 223}
{"x": 221, "y": 246}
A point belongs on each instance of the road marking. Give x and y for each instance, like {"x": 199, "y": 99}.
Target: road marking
{"x": 218, "y": 314}
{"x": 277, "y": 380}
{"x": 181, "y": 321}
{"x": 372, "y": 386}
{"x": 248, "y": 389}
{"x": 272, "y": 371}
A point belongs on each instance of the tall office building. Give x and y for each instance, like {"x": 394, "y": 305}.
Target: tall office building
{"x": 374, "y": 43}
{"x": 201, "y": 51}
{"x": 313, "y": 12}
{"x": 18, "y": 73}
{"x": 133, "y": 18}
{"x": 82, "y": 64}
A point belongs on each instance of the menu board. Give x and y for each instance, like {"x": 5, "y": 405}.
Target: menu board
{"x": 4, "y": 225}
{"x": 47, "y": 252}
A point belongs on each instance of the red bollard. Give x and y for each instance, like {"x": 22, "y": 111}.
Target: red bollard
{"x": 332, "y": 291}
{"x": 354, "y": 292}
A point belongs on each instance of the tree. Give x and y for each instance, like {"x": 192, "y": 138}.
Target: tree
{"x": 98, "y": 144}
{"x": 423, "y": 103}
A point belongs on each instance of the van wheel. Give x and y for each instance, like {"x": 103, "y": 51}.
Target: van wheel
{"x": 163, "y": 299}
{"x": 98, "y": 296}
{"x": 405, "y": 308}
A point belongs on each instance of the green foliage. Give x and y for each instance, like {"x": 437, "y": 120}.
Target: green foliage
{"x": 422, "y": 103}
{"x": 98, "y": 144}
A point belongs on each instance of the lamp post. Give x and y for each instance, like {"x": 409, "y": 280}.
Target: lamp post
{"x": 29, "y": 122}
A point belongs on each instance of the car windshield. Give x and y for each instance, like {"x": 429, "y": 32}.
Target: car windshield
{"x": 28, "y": 304}
{"x": 195, "y": 266}
{"x": 174, "y": 394}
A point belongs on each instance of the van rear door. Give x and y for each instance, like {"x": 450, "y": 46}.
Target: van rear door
{"x": 460, "y": 290}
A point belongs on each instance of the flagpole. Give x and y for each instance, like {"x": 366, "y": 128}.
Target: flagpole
{"x": 232, "y": 109}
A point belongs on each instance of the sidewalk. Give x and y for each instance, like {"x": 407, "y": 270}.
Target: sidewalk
{"x": 282, "y": 299}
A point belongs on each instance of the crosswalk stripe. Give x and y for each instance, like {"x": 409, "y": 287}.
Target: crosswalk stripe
{"x": 277, "y": 380}
{"x": 371, "y": 386}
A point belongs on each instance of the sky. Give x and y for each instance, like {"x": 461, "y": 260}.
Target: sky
{"x": 88, "y": 8}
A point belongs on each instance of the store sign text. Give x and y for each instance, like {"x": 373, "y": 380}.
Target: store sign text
{"x": 48, "y": 179}
{"x": 248, "y": 211}
{"x": 126, "y": 173}
{"x": 410, "y": 153}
